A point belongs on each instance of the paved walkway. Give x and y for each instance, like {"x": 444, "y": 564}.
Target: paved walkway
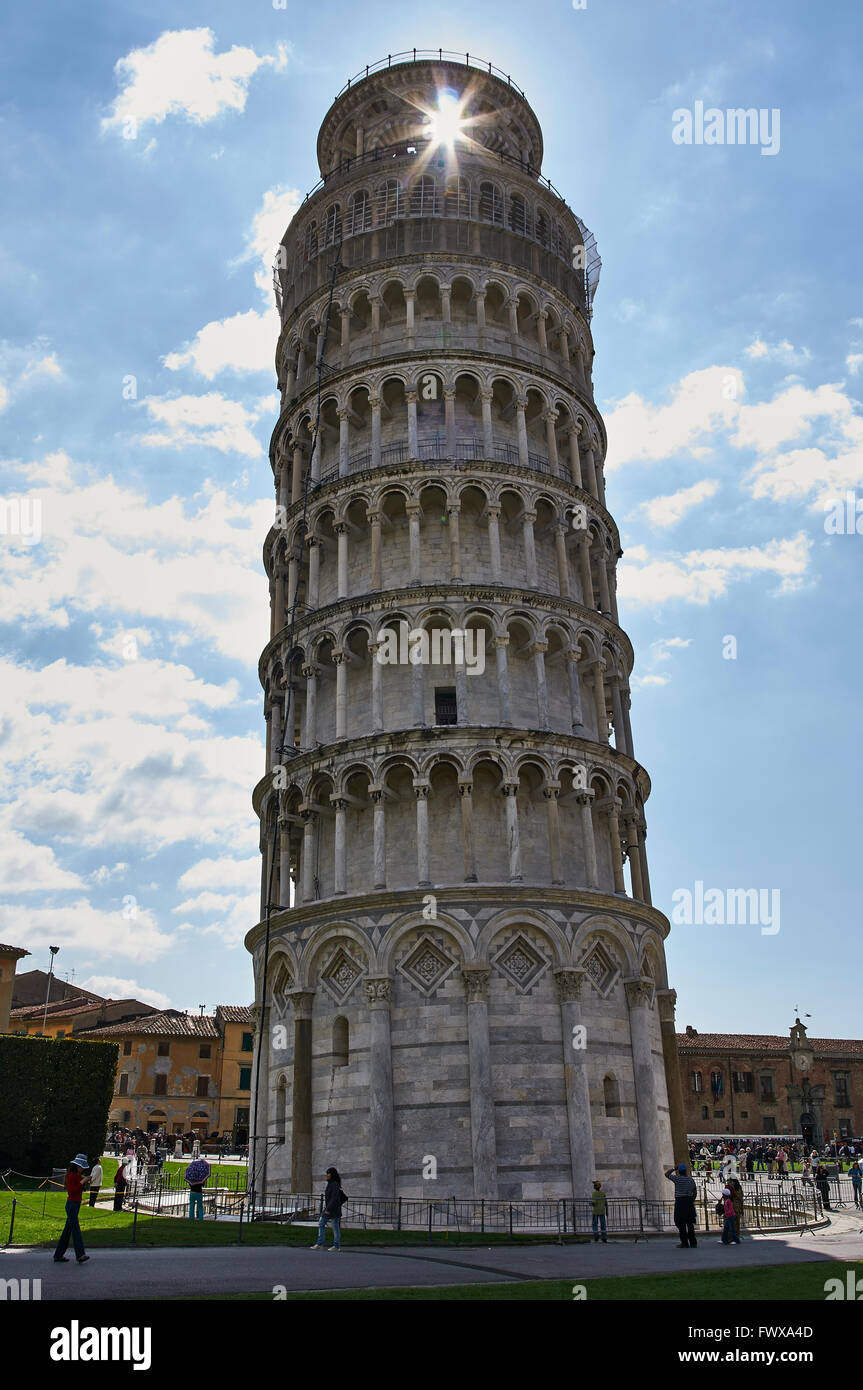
{"x": 170, "y": 1273}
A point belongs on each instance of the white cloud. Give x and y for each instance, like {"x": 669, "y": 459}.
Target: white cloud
{"x": 83, "y": 927}
{"x": 268, "y": 227}
{"x": 702, "y": 575}
{"x": 639, "y": 682}
{"x": 29, "y": 868}
{"x": 779, "y": 352}
{"x": 212, "y": 420}
{"x": 702, "y": 403}
{"x": 104, "y": 875}
{"x": 853, "y": 361}
{"x": 243, "y": 343}
{"x": 112, "y": 987}
{"x": 181, "y": 74}
{"x": 19, "y": 366}
{"x": 222, "y": 873}
{"x": 667, "y": 511}
{"x": 662, "y": 649}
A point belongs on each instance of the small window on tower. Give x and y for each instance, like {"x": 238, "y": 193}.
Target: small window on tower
{"x": 445, "y": 711}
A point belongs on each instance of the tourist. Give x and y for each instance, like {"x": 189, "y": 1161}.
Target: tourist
{"x": 599, "y": 1207}
{"x": 95, "y": 1181}
{"x": 684, "y": 1206}
{"x": 196, "y": 1200}
{"x": 781, "y": 1160}
{"x": 750, "y": 1164}
{"x": 729, "y": 1233}
{"x": 856, "y": 1172}
{"x": 72, "y": 1230}
{"x": 120, "y": 1185}
{"x": 738, "y": 1201}
{"x": 334, "y": 1200}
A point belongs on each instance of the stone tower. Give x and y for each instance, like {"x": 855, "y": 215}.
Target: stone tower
{"x": 459, "y": 969}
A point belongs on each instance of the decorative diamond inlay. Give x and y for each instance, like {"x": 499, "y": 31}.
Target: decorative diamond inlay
{"x": 600, "y": 969}
{"x": 341, "y": 975}
{"x": 521, "y": 963}
{"x": 427, "y": 966}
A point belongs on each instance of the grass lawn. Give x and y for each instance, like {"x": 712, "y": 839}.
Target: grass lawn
{"x": 795, "y": 1283}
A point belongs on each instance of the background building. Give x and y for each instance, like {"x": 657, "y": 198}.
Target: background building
{"x": 9, "y": 958}
{"x": 765, "y": 1084}
{"x": 447, "y": 850}
{"x": 184, "y": 1072}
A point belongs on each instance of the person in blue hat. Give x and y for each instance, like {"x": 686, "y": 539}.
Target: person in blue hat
{"x": 72, "y": 1230}
{"x": 684, "y": 1206}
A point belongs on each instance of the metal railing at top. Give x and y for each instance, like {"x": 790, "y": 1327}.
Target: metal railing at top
{"x": 410, "y": 55}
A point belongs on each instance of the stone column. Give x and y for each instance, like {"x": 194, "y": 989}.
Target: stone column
{"x": 563, "y": 586}
{"x": 449, "y": 422}
{"x": 551, "y": 792}
{"x": 375, "y": 404}
{"x": 605, "y": 597}
{"x": 377, "y": 693}
{"x": 344, "y": 442}
{"x": 510, "y": 790}
{"x": 600, "y": 480}
{"x": 309, "y": 837}
{"x": 539, "y": 650}
{"x": 521, "y": 431}
{"x": 377, "y": 794}
{"x": 480, "y": 312}
{"x": 551, "y": 442}
{"x": 315, "y": 451}
{"x": 610, "y": 808}
{"x": 564, "y": 345}
{"x": 666, "y": 1000}
{"x": 645, "y": 873}
{"x": 301, "y": 1123}
{"x": 630, "y": 830}
{"x": 574, "y": 460}
{"x": 346, "y": 337}
{"x": 500, "y": 646}
{"x": 311, "y": 672}
{"x": 340, "y": 868}
{"x": 278, "y": 598}
{"x": 572, "y": 659}
{"x": 527, "y": 520}
{"x": 284, "y": 497}
{"x": 414, "y": 512}
{"x": 583, "y": 543}
{"x": 611, "y": 572}
{"x": 461, "y": 697}
{"x": 284, "y": 862}
{"x": 617, "y": 717}
{"x": 383, "y": 1174}
{"x": 291, "y": 374}
{"x": 342, "y": 586}
{"x": 413, "y": 437}
{"x": 512, "y": 306}
{"x": 445, "y": 304}
{"x": 293, "y": 579}
{"x": 627, "y": 727}
{"x": 639, "y": 992}
{"x": 541, "y": 334}
{"x": 297, "y": 475}
{"x": 465, "y": 792}
{"x": 482, "y": 1126}
{"x": 579, "y": 1123}
{"x": 422, "y": 790}
{"x": 493, "y": 513}
{"x": 486, "y": 398}
{"x": 375, "y": 302}
{"x": 585, "y": 800}
{"x": 313, "y": 586}
{"x": 418, "y": 691}
{"x": 374, "y": 519}
{"x": 410, "y": 319}
{"x": 341, "y": 659}
{"x": 595, "y": 669}
{"x": 454, "y": 542}
{"x": 590, "y": 471}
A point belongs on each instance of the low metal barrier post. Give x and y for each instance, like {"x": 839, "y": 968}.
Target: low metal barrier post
{"x": 12, "y": 1222}
{"x": 135, "y": 1222}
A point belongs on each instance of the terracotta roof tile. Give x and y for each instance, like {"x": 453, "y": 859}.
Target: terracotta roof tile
{"x": 234, "y": 1013}
{"x": 761, "y": 1042}
{"x": 170, "y": 1023}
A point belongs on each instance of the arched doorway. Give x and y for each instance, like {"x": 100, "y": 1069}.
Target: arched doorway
{"x": 807, "y": 1128}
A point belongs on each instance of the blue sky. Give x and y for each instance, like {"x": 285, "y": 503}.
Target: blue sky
{"x": 137, "y": 398}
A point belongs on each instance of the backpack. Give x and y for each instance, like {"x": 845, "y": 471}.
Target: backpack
{"x": 720, "y": 1207}
{"x": 343, "y": 1198}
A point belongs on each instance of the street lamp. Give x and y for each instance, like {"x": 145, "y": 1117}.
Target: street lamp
{"x": 53, "y": 950}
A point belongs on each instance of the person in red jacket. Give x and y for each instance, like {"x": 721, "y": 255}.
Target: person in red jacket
{"x": 72, "y": 1231}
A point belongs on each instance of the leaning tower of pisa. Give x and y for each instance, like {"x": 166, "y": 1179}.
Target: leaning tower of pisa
{"x": 465, "y": 989}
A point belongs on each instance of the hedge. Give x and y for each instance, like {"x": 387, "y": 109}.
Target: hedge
{"x": 55, "y": 1095}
